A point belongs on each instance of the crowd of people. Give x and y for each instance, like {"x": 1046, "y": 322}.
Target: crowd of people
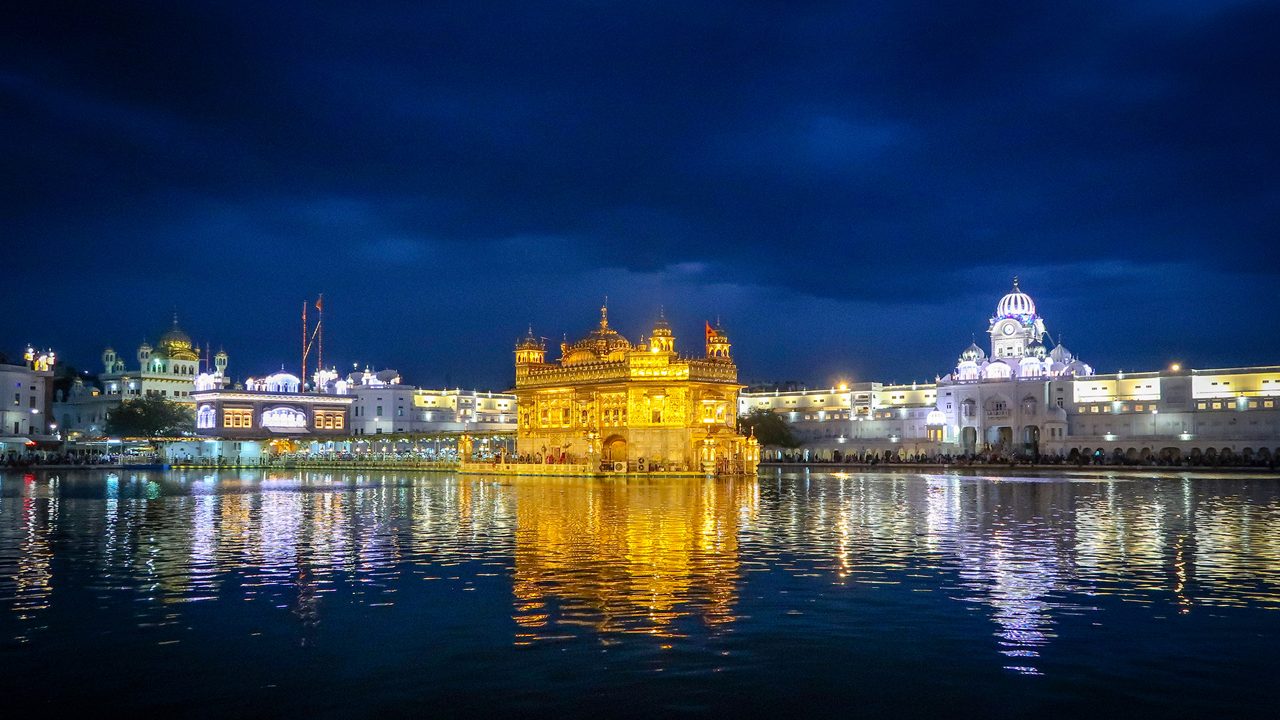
{"x": 43, "y": 458}
{"x": 1073, "y": 459}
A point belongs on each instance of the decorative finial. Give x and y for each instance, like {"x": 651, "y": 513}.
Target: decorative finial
{"x": 1015, "y": 282}
{"x": 604, "y": 314}
{"x": 175, "y": 318}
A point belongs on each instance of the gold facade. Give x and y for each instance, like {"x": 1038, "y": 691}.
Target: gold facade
{"x": 618, "y": 407}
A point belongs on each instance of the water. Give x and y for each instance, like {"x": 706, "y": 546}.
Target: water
{"x": 382, "y": 594}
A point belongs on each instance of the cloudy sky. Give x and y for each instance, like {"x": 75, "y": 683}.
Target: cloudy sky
{"x": 849, "y": 186}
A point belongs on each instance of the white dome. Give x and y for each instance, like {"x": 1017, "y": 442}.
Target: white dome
{"x": 997, "y": 370}
{"x": 278, "y": 382}
{"x": 935, "y": 418}
{"x": 1077, "y": 368}
{"x": 973, "y": 353}
{"x": 1016, "y": 303}
{"x": 1029, "y": 366}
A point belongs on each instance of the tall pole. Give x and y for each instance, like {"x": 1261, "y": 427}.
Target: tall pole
{"x": 320, "y": 330}
{"x": 304, "y": 346}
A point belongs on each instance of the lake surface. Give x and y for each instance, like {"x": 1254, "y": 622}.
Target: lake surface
{"x": 866, "y": 594}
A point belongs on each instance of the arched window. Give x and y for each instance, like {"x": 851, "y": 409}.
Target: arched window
{"x": 205, "y": 416}
{"x": 284, "y": 417}
{"x": 998, "y": 371}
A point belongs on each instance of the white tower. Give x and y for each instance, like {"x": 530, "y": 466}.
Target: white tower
{"x": 1015, "y": 325}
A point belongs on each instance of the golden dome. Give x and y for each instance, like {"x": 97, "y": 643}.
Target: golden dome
{"x": 662, "y": 328}
{"x": 176, "y": 344}
{"x": 603, "y": 343}
{"x": 530, "y": 342}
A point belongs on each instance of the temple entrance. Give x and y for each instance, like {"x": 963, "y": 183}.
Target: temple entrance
{"x": 615, "y": 449}
{"x": 1031, "y": 439}
{"x": 1000, "y": 438}
{"x": 969, "y": 440}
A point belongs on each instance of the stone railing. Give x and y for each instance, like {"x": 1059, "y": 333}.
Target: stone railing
{"x": 528, "y": 468}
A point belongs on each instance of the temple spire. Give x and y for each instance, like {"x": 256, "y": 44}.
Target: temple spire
{"x": 604, "y": 314}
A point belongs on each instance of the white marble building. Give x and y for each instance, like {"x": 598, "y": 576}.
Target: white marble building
{"x": 1022, "y": 398}
{"x": 171, "y": 369}
{"x": 24, "y": 405}
{"x": 385, "y": 406}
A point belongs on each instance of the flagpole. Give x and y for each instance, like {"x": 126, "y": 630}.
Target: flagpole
{"x": 303, "y": 386}
{"x": 320, "y": 328}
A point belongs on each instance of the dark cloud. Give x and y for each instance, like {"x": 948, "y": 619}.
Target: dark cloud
{"x": 849, "y": 184}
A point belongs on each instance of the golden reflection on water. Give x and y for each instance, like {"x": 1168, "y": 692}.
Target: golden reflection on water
{"x": 585, "y": 559}
{"x": 633, "y": 558}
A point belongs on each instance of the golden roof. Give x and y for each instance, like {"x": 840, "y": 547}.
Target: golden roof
{"x": 176, "y": 344}
{"x": 603, "y": 343}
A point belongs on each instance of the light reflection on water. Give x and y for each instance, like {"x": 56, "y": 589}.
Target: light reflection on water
{"x": 681, "y": 564}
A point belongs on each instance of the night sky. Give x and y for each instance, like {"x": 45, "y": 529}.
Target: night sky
{"x": 849, "y": 186}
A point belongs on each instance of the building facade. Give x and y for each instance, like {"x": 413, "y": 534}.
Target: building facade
{"x": 383, "y": 405}
{"x": 272, "y": 407}
{"x": 172, "y": 369}
{"x": 1023, "y": 398}
{"x": 631, "y": 408}
{"x": 24, "y": 407}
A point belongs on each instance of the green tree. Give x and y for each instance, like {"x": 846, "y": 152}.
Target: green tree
{"x": 151, "y": 416}
{"x": 769, "y": 428}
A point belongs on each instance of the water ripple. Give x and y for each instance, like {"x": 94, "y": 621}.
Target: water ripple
{"x": 649, "y": 567}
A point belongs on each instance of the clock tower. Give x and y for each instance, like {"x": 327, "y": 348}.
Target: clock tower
{"x": 1015, "y": 325}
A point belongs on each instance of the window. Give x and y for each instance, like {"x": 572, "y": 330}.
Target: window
{"x": 284, "y": 417}
{"x": 379, "y": 411}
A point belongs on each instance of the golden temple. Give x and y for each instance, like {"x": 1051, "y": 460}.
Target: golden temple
{"x": 612, "y": 406}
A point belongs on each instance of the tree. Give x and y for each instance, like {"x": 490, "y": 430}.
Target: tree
{"x": 769, "y": 428}
{"x": 150, "y": 416}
